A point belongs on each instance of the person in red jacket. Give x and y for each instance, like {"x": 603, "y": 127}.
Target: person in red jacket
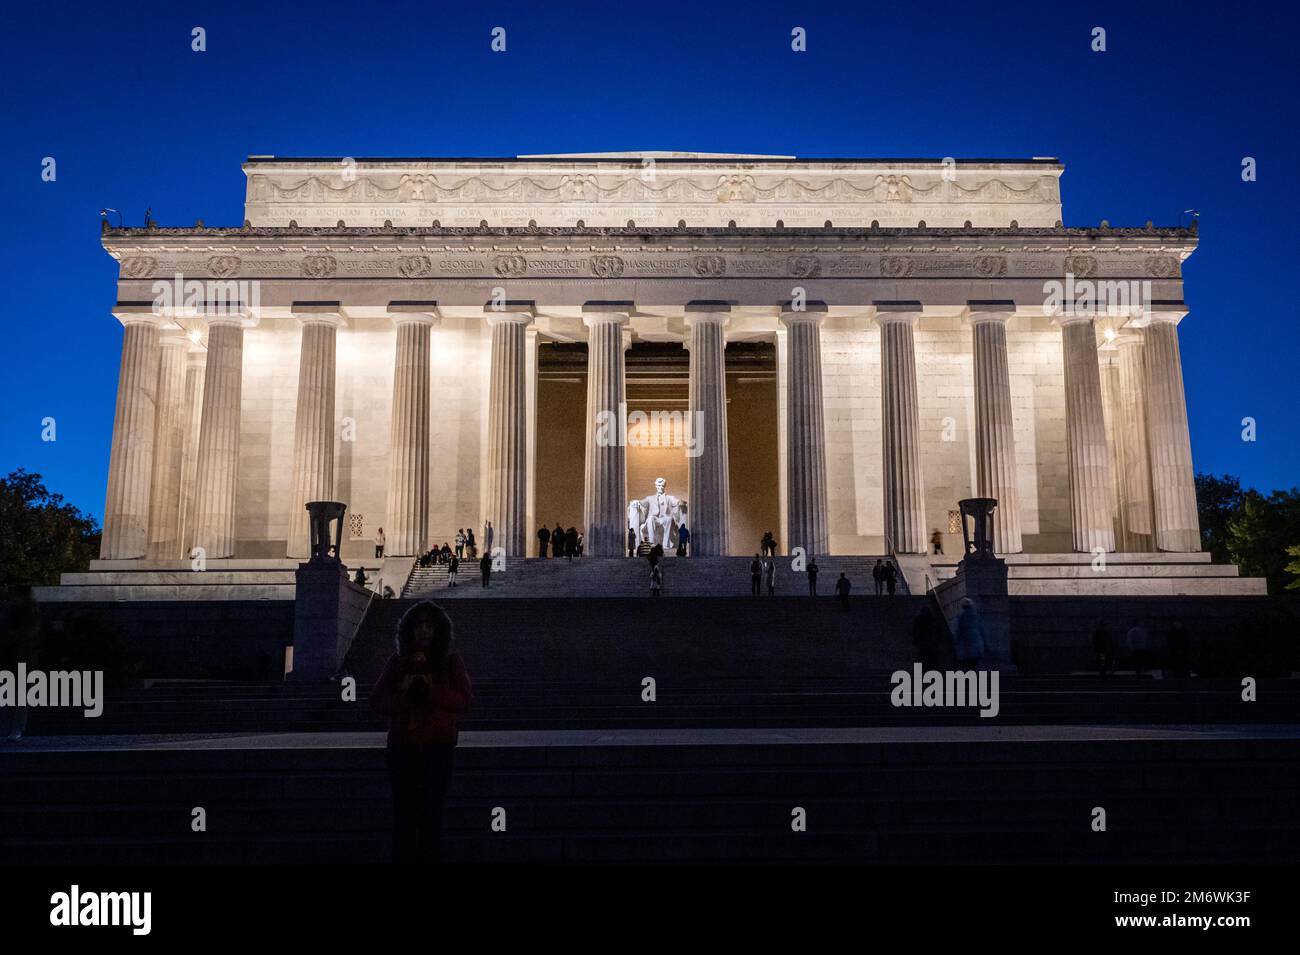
{"x": 423, "y": 690}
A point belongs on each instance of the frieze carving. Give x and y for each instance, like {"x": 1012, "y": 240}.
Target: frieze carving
{"x": 508, "y": 266}
{"x": 138, "y": 266}
{"x": 1081, "y": 266}
{"x": 428, "y": 187}
{"x": 708, "y": 266}
{"x": 990, "y": 266}
{"x": 606, "y": 266}
{"x": 1162, "y": 267}
{"x": 319, "y": 266}
{"x": 804, "y": 266}
{"x": 895, "y": 266}
{"x": 410, "y": 266}
{"x": 222, "y": 266}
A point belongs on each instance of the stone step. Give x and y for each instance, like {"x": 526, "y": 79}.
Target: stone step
{"x": 1180, "y": 797}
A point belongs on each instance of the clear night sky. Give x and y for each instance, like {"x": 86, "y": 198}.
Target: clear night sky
{"x": 1157, "y": 124}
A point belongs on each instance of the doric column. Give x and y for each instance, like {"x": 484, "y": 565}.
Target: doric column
{"x": 904, "y": 488}
{"x": 1173, "y": 487}
{"x": 195, "y": 365}
{"x": 406, "y": 529}
{"x": 605, "y": 484}
{"x": 709, "y": 501}
{"x": 805, "y": 431}
{"x": 130, "y": 466}
{"x": 1134, "y": 481}
{"x": 218, "y": 464}
{"x": 995, "y": 433}
{"x": 1087, "y": 457}
{"x": 313, "y": 423}
{"x": 507, "y": 437}
{"x": 170, "y": 423}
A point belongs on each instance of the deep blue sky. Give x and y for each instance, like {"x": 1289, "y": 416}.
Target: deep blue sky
{"x": 1157, "y": 124}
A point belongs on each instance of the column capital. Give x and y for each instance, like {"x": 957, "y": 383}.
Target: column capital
{"x": 890, "y": 312}
{"x": 141, "y": 313}
{"x": 814, "y": 312}
{"x": 1062, "y": 319}
{"x": 603, "y": 313}
{"x": 414, "y": 313}
{"x": 319, "y": 313}
{"x": 1160, "y": 313}
{"x": 513, "y": 312}
{"x": 981, "y": 311}
{"x": 707, "y": 313}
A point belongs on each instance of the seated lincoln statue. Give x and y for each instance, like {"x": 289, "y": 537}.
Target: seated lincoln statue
{"x": 656, "y": 517}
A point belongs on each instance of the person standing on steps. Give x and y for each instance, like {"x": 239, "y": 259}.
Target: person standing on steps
{"x": 769, "y": 576}
{"x": 936, "y": 540}
{"x": 557, "y": 541}
{"x": 571, "y": 543}
{"x": 485, "y": 567}
{"x": 683, "y": 539}
{"x": 379, "y": 544}
{"x": 453, "y": 567}
{"x": 891, "y": 577}
{"x": 631, "y": 542}
{"x": 755, "y": 577}
{"x": 878, "y": 576}
{"x": 543, "y": 539}
{"x": 460, "y": 542}
{"x": 812, "y": 577}
{"x": 471, "y": 548}
{"x": 842, "y": 588}
{"x": 656, "y": 579}
{"x": 489, "y": 535}
{"x": 423, "y": 691}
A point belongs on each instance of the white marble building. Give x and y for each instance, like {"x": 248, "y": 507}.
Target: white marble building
{"x": 370, "y": 335}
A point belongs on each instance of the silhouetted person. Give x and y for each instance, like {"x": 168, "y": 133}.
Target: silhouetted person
{"x": 1103, "y": 649}
{"x": 543, "y": 540}
{"x": 812, "y": 577}
{"x": 379, "y": 543}
{"x": 768, "y": 544}
{"x": 360, "y": 578}
{"x": 656, "y": 579}
{"x": 878, "y": 576}
{"x": 842, "y": 588}
{"x": 485, "y": 568}
{"x": 925, "y": 638}
{"x": 557, "y": 541}
{"x": 571, "y": 543}
{"x": 453, "y": 568}
{"x": 891, "y": 577}
{"x": 937, "y": 540}
{"x": 422, "y": 691}
{"x": 631, "y": 542}
{"x": 769, "y": 576}
{"x": 756, "y": 576}
{"x": 582, "y": 542}
{"x": 489, "y": 536}
{"x": 683, "y": 538}
{"x": 656, "y": 554}
{"x": 970, "y": 636}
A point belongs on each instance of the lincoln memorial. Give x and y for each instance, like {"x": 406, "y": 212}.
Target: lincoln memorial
{"x": 835, "y": 350}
